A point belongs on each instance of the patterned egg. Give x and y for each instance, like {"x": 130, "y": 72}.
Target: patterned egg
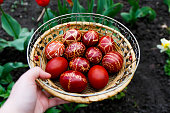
{"x": 79, "y": 64}
{"x": 90, "y": 38}
{"x": 54, "y": 49}
{"x": 106, "y": 44}
{"x": 112, "y": 61}
{"x": 72, "y": 35}
{"x": 73, "y": 81}
{"x": 94, "y": 55}
{"x": 74, "y": 50}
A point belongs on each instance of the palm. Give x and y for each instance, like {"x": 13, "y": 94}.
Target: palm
{"x": 42, "y": 101}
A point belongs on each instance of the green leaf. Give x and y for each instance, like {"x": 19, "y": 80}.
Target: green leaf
{"x": 168, "y": 52}
{"x": 10, "y": 25}
{"x": 79, "y": 106}
{"x": 77, "y": 8}
{"x": 67, "y": 108}
{"x": 2, "y": 90}
{"x": 144, "y": 11}
{"x": 8, "y": 67}
{"x": 3, "y": 44}
{"x": 28, "y": 35}
{"x": 1, "y": 70}
{"x": 1, "y": 103}
{"x": 53, "y": 110}
{"x": 6, "y": 79}
{"x": 167, "y": 2}
{"x": 134, "y": 3}
{"x": 10, "y": 86}
{"x": 62, "y": 9}
{"x": 100, "y": 6}
{"x": 120, "y": 95}
{"x": 90, "y": 6}
{"x": 20, "y": 43}
{"x": 126, "y": 17}
{"x": 167, "y": 67}
{"x": 113, "y": 10}
{"x": 48, "y": 16}
{"x": 17, "y": 43}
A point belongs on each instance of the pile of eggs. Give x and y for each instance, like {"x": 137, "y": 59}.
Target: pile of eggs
{"x": 80, "y": 59}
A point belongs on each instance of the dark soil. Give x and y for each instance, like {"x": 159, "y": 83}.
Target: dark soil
{"x": 149, "y": 90}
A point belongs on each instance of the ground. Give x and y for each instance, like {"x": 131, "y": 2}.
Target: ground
{"x": 149, "y": 90}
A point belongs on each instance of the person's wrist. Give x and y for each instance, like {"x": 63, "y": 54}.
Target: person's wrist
{"x": 10, "y": 107}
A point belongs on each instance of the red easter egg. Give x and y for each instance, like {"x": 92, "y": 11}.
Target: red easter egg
{"x": 79, "y": 64}
{"x": 56, "y": 66}
{"x": 106, "y": 44}
{"x": 90, "y": 38}
{"x": 73, "y": 81}
{"x": 112, "y": 61}
{"x": 72, "y": 35}
{"x": 98, "y": 77}
{"x": 74, "y": 50}
{"x": 54, "y": 49}
{"x": 94, "y": 55}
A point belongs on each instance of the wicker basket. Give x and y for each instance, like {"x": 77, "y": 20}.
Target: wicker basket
{"x": 55, "y": 29}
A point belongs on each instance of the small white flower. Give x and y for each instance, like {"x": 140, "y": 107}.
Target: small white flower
{"x": 165, "y": 45}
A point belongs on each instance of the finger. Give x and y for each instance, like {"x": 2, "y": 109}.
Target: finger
{"x": 35, "y": 73}
{"x": 56, "y": 101}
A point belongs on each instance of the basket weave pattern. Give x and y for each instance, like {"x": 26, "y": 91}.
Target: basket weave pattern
{"x": 126, "y": 45}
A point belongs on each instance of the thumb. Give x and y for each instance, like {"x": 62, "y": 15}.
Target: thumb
{"x": 35, "y": 73}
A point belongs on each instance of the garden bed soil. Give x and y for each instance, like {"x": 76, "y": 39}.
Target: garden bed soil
{"x": 149, "y": 90}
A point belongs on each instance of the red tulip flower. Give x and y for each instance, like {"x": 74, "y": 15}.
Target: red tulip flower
{"x": 42, "y": 3}
{"x": 70, "y": 2}
{"x": 1, "y": 1}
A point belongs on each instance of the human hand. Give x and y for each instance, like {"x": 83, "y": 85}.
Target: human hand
{"x": 27, "y": 97}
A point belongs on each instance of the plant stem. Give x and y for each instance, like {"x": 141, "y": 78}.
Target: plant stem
{"x": 47, "y": 13}
{"x": 3, "y": 13}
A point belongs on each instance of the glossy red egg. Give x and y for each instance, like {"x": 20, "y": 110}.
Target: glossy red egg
{"x": 112, "y": 61}
{"x": 106, "y": 44}
{"x": 79, "y": 64}
{"x": 94, "y": 55}
{"x": 76, "y": 49}
{"x": 73, "y": 81}
{"x": 72, "y": 35}
{"x": 54, "y": 49}
{"x": 90, "y": 38}
{"x": 56, "y": 66}
{"x": 98, "y": 77}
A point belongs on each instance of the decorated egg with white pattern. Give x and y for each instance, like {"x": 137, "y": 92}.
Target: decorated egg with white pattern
{"x": 90, "y": 38}
{"x": 73, "y": 81}
{"x": 54, "y": 49}
{"x": 72, "y": 35}
{"x": 106, "y": 44}
{"x": 79, "y": 64}
{"x": 112, "y": 61}
{"x": 75, "y": 49}
{"x": 94, "y": 55}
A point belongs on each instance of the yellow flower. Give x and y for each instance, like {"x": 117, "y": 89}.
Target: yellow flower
{"x": 165, "y": 45}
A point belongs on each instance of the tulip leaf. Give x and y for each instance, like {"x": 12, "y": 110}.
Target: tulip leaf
{"x": 100, "y": 6}
{"x": 53, "y": 110}
{"x": 10, "y": 25}
{"x": 113, "y": 10}
{"x": 90, "y": 6}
